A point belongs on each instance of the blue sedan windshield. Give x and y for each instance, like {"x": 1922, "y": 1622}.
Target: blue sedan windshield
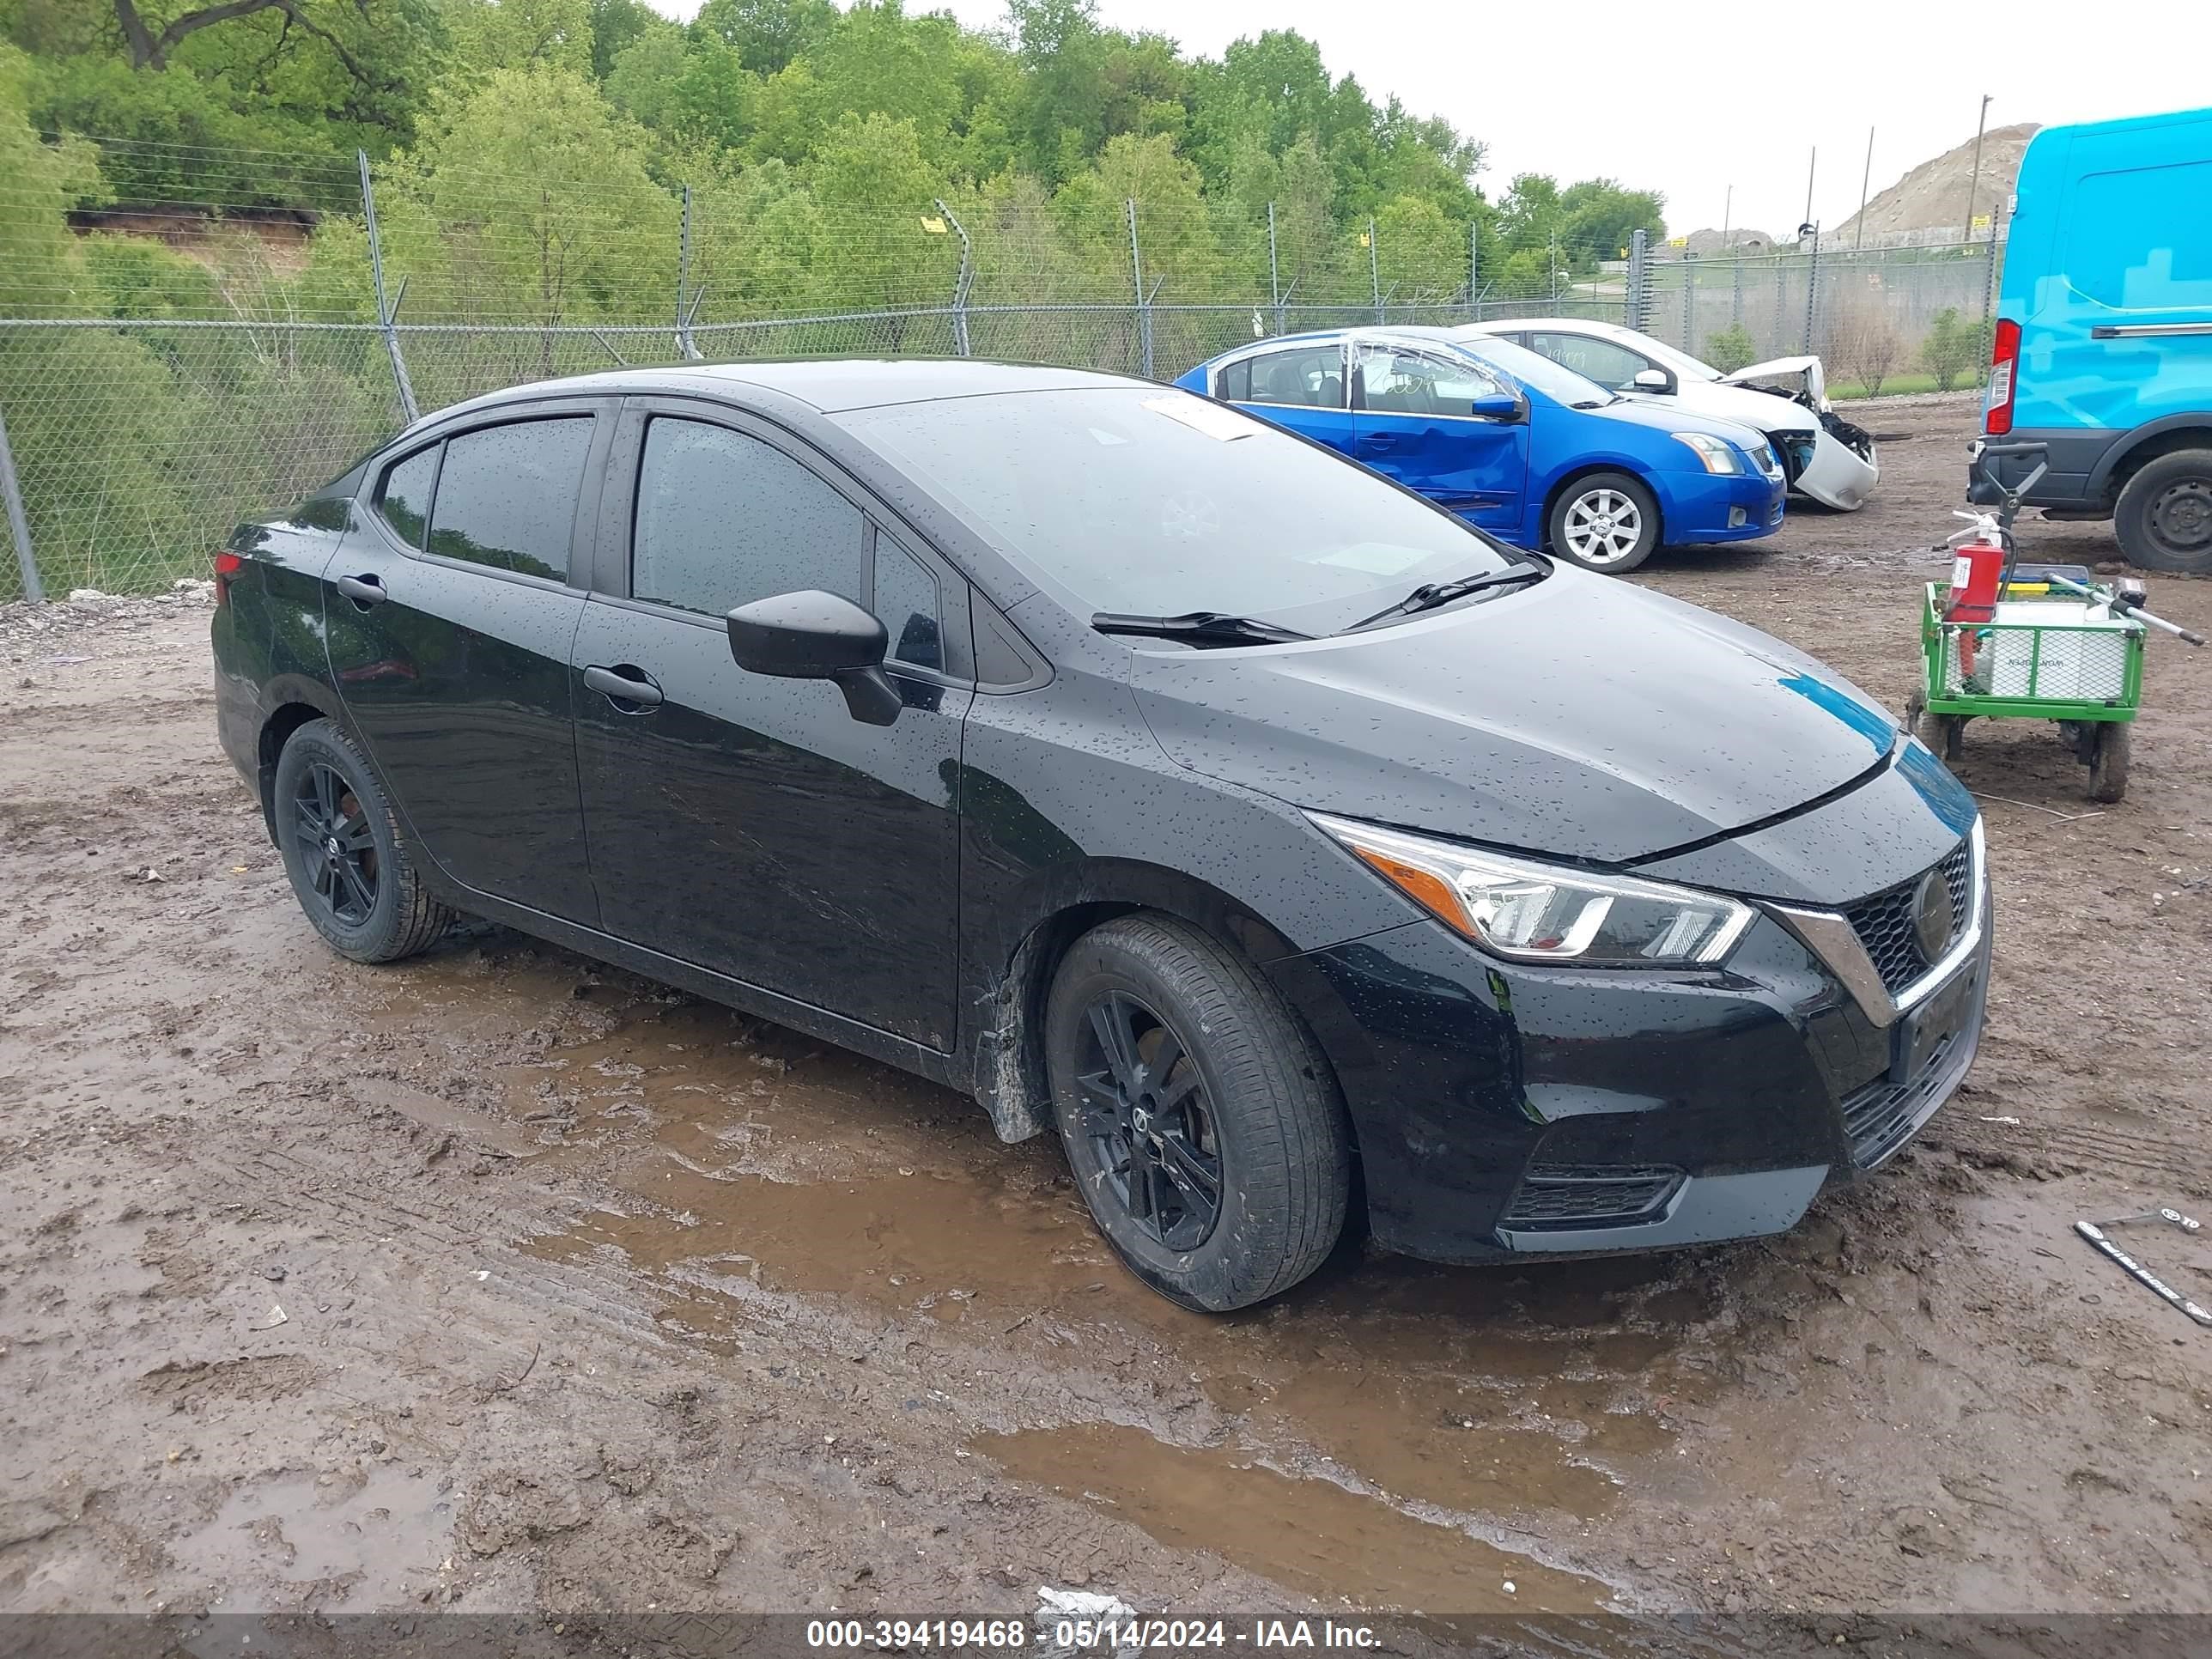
{"x": 1537, "y": 372}
{"x": 1151, "y": 500}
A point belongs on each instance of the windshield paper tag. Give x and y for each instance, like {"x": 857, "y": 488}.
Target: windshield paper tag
{"x": 1223, "y": 424}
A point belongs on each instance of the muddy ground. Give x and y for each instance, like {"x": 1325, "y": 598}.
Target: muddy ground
{"x": 501, "y": 1280}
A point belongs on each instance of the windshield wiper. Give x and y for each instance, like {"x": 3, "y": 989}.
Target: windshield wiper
{"x": 1429, "y": 595}
{"x": 1199, "y": 628}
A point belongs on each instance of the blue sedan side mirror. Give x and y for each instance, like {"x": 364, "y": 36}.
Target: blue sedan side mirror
{"x": 1497, "y": 406}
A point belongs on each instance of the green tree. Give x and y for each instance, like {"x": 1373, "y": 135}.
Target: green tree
{"x": 768, "y": 34}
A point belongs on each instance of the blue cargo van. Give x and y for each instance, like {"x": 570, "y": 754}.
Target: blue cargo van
{"x": 2103, "y": 343}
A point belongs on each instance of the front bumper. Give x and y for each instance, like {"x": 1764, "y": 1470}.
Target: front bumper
{"x": 1837, "y": 475}
{"x": 1709, "y": 506}
{"x": 1503, "y": 1109}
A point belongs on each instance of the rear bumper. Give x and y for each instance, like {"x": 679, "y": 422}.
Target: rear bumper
{"x": 1504, "y": 1110}
{"x": 2076, "y": 463}
{"x": 1704, "y": 506}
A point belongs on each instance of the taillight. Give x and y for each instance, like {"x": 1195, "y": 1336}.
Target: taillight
{"x": 226, "y": 565}
{"x": 2005, "y": 379}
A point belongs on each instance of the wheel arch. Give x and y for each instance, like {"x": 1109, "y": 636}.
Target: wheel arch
{"x": 291, "y": 702}
{"x": 1017, "y": 966}
{"x": 2145, "y": 444}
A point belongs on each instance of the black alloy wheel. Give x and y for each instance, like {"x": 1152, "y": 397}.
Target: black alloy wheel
{"x": 1149, "y": 1119}
{"x": 351, "y": 864}
{"x": 338, "y": 852}
{"x": 1202, "y": 1124}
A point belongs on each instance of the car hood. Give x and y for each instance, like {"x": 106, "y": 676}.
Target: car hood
{"x": 1668, "y": 415}
{"x": 1581, "y": 717}
{"x": 1782, "y": 368}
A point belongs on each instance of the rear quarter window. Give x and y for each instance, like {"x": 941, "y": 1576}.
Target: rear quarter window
{"x": 2140, "y": 238}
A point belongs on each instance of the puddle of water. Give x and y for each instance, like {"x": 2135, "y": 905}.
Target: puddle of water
{"x": 953, "y": 1246}
{"x": 1309, "y": 1535}
{"x": 365, "y": 1545}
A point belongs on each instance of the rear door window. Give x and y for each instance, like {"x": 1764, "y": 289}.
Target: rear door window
{"x": 724, "y": 518}
{"x": 1311, "y": 377}
{"x": 405, "y": 501}
{"x": 507, "y": 496}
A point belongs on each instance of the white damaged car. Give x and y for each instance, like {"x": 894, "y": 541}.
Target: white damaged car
{"x": 1824, "y": 456}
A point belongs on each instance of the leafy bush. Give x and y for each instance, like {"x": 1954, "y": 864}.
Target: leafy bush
{"x": 1953, "y": 348}
{"x": 1731, "y": 348}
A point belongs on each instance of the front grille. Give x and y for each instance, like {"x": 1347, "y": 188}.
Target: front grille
{"x": 1882, "y": 1116}
{"x": 1559, "y": 1196}
{"x": 1884, "y": 922}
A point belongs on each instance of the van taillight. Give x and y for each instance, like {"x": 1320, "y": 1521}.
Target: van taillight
{"x": 226, "y": 565}
{"x": 2005, "y": 379}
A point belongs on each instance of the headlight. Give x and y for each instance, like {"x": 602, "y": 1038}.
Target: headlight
{"x": 1714, "y": 452}
{"x": 1531, "y": 912}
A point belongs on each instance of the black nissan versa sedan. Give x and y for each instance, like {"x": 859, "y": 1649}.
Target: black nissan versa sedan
{"x": 1140, "y": 769}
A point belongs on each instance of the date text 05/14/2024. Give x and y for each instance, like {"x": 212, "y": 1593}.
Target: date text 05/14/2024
{"x": 1084, "y": 1635}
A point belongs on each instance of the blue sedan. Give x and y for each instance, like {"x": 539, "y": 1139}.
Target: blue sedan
{"x": 1529, "y": 451}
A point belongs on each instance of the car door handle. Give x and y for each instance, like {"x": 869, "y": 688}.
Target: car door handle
{"x": 623, "y": 684}
{"x": 1378, "y": 440}
{"x": 363, "y": 590}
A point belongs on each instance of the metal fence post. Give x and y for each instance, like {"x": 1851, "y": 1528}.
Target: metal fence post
{"x": 1812, "y": 288}
{"x": 963, "y": 283}
{"x": 1638, "y": 273}
{"x": 1144, "y": 304}
{"x": 19, "y": 523}
{"x": 1474, "y": 267}
{"x": 1374, "y": 272}
{"x": 683, "y": 346}
{"x": 386, "y": 311}
{"x": 1736, "y": 292}
{"x": 1689, "y": 264}
{"x": 1274, "y": 272}
{"x": 1990, "y": 261}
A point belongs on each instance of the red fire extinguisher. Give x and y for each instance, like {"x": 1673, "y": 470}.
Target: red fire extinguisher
{"x": 1978, "y": 567}
{"x": 1976, "y": 571}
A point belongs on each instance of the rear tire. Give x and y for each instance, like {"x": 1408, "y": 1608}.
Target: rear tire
{"x": 350, "y": 866}
{"x": 2164, "y": 516}
{"x": 2108, "y": 760}
{"x": 1202, "y": 1122}
{"x": 1607, "y": 522}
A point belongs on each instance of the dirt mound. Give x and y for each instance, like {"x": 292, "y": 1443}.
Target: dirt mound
{"x": 1932, "y": 196}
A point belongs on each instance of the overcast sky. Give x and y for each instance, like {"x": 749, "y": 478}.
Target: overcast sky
{"x": 1689, "y": 96}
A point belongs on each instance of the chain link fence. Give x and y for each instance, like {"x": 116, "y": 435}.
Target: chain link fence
{"x": 186, "y": 368}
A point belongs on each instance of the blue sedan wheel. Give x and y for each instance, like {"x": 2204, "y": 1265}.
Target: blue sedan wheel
{"x": 1607, "y": 521}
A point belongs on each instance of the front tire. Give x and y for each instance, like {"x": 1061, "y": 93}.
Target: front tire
{"x": 1200, "y": 1121}
{"x": 1607, "y": 522}
{"x": 2164, "y": 517}
{"x": 350, "y": 866}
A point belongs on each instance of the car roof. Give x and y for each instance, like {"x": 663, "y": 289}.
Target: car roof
{"x": 1586, "y": 325}
{"x": 829, "y": 384}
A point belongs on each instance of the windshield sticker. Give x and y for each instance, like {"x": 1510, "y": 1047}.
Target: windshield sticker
{"x": 1223, "y": 424}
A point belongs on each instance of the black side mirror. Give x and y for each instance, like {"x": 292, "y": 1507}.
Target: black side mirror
{"x": 1654, "y": 381}
{"x": 814, "y": 636}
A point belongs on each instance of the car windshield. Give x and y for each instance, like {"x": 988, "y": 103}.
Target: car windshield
{"x": 1148, "y": 501}
{"x": 1537, "y": 372}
